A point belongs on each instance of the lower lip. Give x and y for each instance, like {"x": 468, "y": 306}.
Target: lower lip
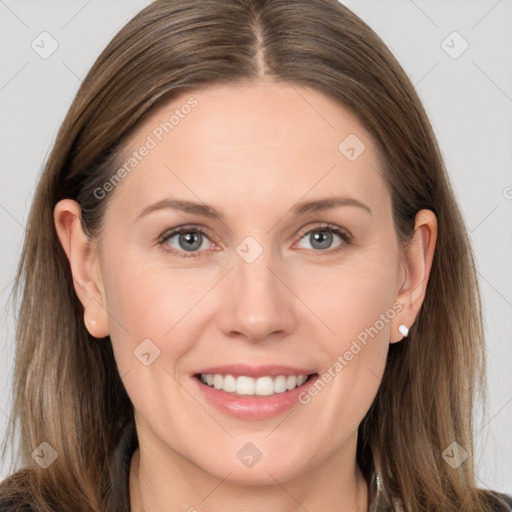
{"x": 253, "y": 407}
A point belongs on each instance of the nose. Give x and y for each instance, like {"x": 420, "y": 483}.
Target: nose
{"x": 258, "y": 305}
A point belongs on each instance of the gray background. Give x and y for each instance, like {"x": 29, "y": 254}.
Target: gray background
{"x": 468, "y": 99}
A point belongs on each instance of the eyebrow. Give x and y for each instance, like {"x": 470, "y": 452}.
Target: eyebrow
{"x": 205, "y": 210}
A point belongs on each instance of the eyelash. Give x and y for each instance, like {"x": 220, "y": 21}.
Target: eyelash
{"x": 344, "y": 235}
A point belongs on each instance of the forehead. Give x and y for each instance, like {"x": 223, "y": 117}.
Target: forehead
{"x": 258, "y": 145}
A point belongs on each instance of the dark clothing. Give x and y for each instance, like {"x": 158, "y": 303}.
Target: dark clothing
{"x": 120, "y": 494}
{"x": 127, "y": 444}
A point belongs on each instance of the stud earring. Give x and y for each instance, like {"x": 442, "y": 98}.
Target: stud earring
{"x": 379, "y": 482}
{"x": 404, "y": 330}
{"x": 93, "y": 322}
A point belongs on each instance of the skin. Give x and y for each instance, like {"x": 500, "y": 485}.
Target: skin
{"x": 252, "y": 152}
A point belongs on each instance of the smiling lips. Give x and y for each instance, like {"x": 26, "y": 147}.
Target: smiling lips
{"x": 245, "y": 385}
{"x": 249, "y": 392}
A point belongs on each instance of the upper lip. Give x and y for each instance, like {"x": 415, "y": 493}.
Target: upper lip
{"x": 270, "y": 370}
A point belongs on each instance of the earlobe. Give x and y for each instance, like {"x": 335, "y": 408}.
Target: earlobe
{"x": 84, "y": 266}
{"x": 417, "y": 261}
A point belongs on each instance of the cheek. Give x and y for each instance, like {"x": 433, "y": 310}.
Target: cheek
{"x": 355, "y": 302}
{"x": 149, "y": 329}
{"x": 148, "y": 299}
{"x": 349, "y": 298}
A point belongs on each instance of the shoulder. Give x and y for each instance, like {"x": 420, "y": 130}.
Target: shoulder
{"x": 19, "y": 492}
{"x": 10, "y": 506}
{"x": 15, "y": 506}
{"x": 499, "y": 501}
{"x": 14, "y": 493}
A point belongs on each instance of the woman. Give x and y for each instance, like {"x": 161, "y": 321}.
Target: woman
{"x": 179, "y": 347}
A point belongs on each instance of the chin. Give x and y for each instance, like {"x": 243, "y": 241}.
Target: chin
{"x": 261, "y": 473}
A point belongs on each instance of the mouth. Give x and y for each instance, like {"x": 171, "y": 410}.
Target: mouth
{"x": 253, "y": 393}
{"x": 245, "y": 385}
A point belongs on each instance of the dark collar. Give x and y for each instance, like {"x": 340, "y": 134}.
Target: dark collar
{"x": 121, "y": 459}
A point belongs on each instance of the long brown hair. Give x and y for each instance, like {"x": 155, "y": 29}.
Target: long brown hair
{"x": 67, "y": 391}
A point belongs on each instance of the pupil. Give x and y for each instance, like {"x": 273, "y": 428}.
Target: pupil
{"x": 320, "y": 236}
{"x": 191, "y": 238}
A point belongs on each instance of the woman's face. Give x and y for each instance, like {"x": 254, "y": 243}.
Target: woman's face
{"x": 265, "y": 293}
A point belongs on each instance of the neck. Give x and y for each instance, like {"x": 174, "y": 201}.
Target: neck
{"x": 179, "y": 485}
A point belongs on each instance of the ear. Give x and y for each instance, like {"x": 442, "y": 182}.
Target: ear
{"x": 416, "y": 263}
{"x": 83, "y": 259}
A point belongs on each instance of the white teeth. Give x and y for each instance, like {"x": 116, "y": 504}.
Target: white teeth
{"x": 262, "y": 386}
{"x": 244, "y": 385}
{"x": 291, "y": 382}
{"x": 229, "y": 384}
{"x": 217, "y": 381}
{"x": 280, "y": 384}
{"x": 301, "y": 380}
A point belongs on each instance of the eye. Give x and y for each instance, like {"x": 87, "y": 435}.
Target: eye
{"x": 188, "y": 239}
{"x": 321, "y": 238}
